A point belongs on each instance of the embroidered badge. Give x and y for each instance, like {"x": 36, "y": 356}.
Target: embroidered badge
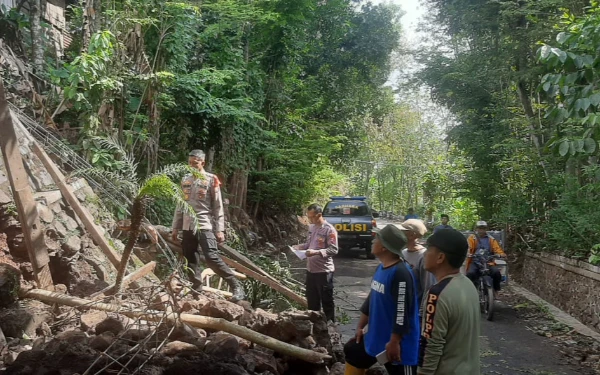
{"x": 187, "y": 188}
{"x": 201, "y": 192}
{"x": 321, "y": 241}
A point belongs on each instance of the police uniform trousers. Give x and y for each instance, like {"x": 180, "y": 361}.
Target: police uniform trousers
{"x": 205, "y": 242}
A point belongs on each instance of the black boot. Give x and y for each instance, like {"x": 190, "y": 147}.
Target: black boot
{"x": 236, "y": 289}
{"x": 195, "y": 276}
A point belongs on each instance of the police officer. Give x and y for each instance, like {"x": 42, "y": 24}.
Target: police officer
{"x": 204, "y": 195}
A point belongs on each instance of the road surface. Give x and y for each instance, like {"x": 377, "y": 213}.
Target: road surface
{"x": 508, "y": 347}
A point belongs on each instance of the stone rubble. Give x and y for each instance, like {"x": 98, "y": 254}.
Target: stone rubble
{"x": 71, "y": 341}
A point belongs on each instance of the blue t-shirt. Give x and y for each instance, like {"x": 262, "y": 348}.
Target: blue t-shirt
{"x": 442, "y": 226}
{"x": 392, "y": 307}
{"x": 484, "y": 243}
{"x": 411, "y": 216}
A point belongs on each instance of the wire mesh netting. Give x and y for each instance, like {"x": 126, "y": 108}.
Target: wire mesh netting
{"x": 73, "y": 162}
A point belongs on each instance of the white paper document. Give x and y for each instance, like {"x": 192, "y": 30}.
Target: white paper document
{"x": 301, "y": 254}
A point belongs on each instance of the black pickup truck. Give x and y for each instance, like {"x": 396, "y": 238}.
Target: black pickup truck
{"x": 354, "y": 221}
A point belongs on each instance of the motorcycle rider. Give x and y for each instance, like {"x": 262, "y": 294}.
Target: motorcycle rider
{"x": 490, "y": 246}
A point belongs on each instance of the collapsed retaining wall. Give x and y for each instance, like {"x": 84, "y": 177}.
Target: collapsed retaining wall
{"x": 75, "y": 260}
{"x": 572, "y": 285}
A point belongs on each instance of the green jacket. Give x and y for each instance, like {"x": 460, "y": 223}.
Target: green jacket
{"x": 450, "y": 328}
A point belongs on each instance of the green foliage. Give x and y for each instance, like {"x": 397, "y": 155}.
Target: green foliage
{"x": 162, "y": 186}
{"x": 297, "y": 171}
{"x": 595, "y": 255}
{"x": 261, "y": 294}
{"x": 10, "y": 209}
{"x": 571, "y": 84}
{"x": 405, "y": 164}
{"x": 11, "y": 20}
{"x": 279, "y": 89}
{"x": 162, "y": 212}
{"x": 572, "y": 228}
{"x": 525, "y": 120}
{"x": 87, "y": 78}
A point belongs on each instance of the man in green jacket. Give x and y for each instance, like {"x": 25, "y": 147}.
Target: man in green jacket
{"x": 450, "y": 326}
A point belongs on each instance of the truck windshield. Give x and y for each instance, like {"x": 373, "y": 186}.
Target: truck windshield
{"x": 346, "y": 208}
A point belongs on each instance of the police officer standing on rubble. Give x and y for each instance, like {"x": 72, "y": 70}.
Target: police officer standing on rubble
{"x": 204, "y": 196}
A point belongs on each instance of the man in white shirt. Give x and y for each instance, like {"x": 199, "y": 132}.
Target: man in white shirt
{"x": 414, "y": 229}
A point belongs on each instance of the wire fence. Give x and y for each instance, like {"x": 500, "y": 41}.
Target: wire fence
{"x": 105, "y": 189}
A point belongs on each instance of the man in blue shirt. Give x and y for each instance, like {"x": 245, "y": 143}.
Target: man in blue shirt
{"x": 389, "y": 322}
{"x": 445, "y": 219}
{"x": 411, "y": 214}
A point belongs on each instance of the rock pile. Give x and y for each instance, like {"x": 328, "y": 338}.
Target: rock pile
{"x": 37, "y": 341}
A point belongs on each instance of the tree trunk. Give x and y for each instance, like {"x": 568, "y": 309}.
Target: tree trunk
{"x": 238, "y": 191}
{"x": 244, "y": 190}
{"x": 37, "y": 40}
{"x": 91, "y": 21}
{"x": 134, "y": 276}
{"x": 394, "y": 189}
{"x": 97, "y": 21}
{"x": 368, "y": 171}
{"x": 259, "y": 168}
{"x": 528, "y": 108}
{"x": 153, "y": 145}
{"x": 521, "y": 65}
{"x": 210, "y": 159}
{"x": 379, "y": 193}
{"x": 137, "y": 215}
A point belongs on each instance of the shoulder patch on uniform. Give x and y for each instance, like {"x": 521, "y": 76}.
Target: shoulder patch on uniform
{"x": 216, "y": 182}
{"x": 332, "y": 237}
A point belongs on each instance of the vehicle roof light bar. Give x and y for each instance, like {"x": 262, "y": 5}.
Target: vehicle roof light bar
{"x": 339, "y": 198}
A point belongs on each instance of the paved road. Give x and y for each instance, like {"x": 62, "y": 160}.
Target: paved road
{"x": 507, "y": 346}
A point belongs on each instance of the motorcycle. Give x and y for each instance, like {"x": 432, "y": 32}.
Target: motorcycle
{"x": 484, "y": 283}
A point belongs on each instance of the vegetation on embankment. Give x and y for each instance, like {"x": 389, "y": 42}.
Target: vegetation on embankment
{"x": 292, "y": 103}
{"x": 521, "y": 79}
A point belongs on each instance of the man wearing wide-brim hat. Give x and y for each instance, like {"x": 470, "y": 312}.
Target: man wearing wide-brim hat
{"x": 388, "y": 328}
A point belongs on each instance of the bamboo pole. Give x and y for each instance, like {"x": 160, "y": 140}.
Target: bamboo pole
{"x": 197, "y": 321}
{"x": 134, "y": 276}
{"x": 262, "y": 276}
{"x": 176, "y": 247}
{"x": 87, "y": 219}
{"x": 33, "y": 231}
{"x": 272, "y": 283}
{"x": 241, "y": 259}
{"x": 247, "y": 267}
